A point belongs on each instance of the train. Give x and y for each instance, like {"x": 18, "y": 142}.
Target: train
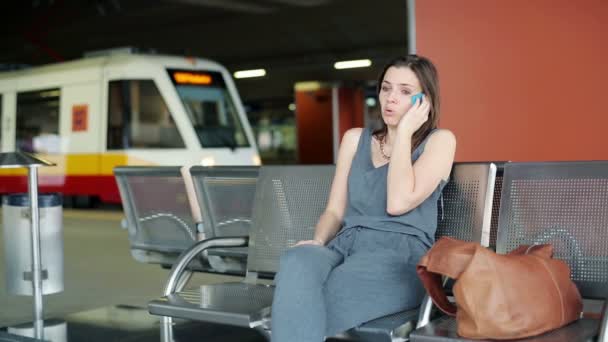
{"x": 92, "y": 114}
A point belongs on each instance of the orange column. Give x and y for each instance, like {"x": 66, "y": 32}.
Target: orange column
{"x": 315, "y": 119}
{"x": 521, "y": 80}
{"x": 350, "y": 104}
{"x": 314, "y": 126}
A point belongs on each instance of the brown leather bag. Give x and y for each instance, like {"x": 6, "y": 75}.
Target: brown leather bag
{"x": 521, "y": 294}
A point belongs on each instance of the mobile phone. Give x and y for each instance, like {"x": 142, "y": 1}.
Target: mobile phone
{"x": 416, "y": 97}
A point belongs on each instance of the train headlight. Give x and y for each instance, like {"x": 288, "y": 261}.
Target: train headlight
{"x": 208, "y": 161}
{"x": 256, "y": 160}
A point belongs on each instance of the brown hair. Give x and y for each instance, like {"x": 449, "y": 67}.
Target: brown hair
{"x": 426, "y": 73}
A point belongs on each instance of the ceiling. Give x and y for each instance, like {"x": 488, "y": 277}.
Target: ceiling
{"x": 294, "y": 40}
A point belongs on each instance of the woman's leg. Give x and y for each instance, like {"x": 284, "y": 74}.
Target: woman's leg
{"x": 379, "y": 278}
{"x": 298, "y": 308}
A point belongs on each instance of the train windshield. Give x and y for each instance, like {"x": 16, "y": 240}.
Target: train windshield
{"x": 210, "y": 108}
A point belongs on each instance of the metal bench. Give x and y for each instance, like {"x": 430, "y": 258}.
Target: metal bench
{"x": 169, "y": 208}
{"x": 157, "y": 213}
{"x": 222, "y": 199}
{"x": 565, "y": 204}
{"x": 288, "y": 202}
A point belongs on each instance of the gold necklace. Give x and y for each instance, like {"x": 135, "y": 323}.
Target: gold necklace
{"x": 381, "y": 141}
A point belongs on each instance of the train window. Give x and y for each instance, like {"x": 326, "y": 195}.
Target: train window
{"x": 38, "y": 121}
{"x": 138, "y": 117}
{"x": 210, "y": 108}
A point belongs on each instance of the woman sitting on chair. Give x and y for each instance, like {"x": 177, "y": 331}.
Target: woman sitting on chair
{"x": 380, "y": 218}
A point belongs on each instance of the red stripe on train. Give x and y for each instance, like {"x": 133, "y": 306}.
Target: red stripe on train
{"x": 102, "y": 186}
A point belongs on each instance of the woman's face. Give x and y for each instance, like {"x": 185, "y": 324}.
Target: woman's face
{"x": 397, "y": 88}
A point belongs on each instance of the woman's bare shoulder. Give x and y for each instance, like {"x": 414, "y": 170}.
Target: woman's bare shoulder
{"x": 350, "y": 141}
{"x": 352, "y": 136}
{"x": 442, "y": 136}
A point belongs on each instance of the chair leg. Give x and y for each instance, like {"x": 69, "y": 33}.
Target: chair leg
{"x": 166, "y": 329}
{"x": 264, "y": 331}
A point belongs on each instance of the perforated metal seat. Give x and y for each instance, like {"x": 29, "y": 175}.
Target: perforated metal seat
{"x": 155, "y": 204}
{"x": 225, "y": 196}
{"x": 6, "y": 337}
{"x": 444, "y": 330}
{"x": 565, "y": 204}
{"x": 163, "y": 220}
{"x": 237, "y": 304}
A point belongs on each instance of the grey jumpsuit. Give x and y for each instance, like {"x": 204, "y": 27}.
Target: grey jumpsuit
{"x": 367, "y": 271}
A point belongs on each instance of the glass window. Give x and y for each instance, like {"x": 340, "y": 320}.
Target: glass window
{"x": 38, "y": 121}
{"x": 274, "y": 127}
{"x": 210, "y": 108}
{"x": 138, "y": 117}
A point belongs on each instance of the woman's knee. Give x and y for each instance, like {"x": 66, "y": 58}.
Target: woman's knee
{"x": 308, "y": 260}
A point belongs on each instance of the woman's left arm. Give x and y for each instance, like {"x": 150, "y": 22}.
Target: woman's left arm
{"x": 409, "y": 185}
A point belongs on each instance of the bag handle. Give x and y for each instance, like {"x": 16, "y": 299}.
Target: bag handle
{"x": 433, "y": 285}
{"x": 447, "y": 257}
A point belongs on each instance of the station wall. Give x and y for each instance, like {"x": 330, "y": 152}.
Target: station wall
{"x": 521, "y": 80}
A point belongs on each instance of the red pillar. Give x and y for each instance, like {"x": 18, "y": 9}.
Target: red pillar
{"x": 351, "y": 104}
{"x": 314, "y": 125}
{"x": 317, "y": 111}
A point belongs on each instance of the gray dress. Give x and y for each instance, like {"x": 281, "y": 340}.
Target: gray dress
{"x": 367, "y": 271}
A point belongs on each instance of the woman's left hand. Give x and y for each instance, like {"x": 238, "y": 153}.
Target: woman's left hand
{"x": 309, "y": 242}
{"x": 415, "y": 117}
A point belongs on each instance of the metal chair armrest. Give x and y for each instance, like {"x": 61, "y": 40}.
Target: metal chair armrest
{"x": 427, "y": 306}
{"x": 426, "y": 309}
{"x": 186, "y": 257}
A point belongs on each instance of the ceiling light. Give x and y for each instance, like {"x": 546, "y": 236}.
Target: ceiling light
{"x": 358, "y": 63}
{"x": 308, "y": 86}
{"x": 250, "y": 73}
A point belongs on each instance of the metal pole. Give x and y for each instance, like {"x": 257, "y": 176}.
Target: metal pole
{"x": 36, "y": 261}
{"x": 335, "y": 119}
{"x": 166, "y": 329}
{"x": 411, "y": 26}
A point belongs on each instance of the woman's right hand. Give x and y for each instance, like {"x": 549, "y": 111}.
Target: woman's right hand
{"x": 309, "y": 242}
{"x": 415, "y": 116}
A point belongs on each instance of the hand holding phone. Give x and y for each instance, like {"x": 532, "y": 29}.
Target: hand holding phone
{"x": 416, "y": 115}
{"x": 416, "y": 97}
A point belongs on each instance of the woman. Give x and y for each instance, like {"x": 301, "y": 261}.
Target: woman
{"x": 380, "y": 219}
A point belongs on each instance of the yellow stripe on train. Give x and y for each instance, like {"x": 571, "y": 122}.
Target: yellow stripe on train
{"x": 81, "y": 164}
